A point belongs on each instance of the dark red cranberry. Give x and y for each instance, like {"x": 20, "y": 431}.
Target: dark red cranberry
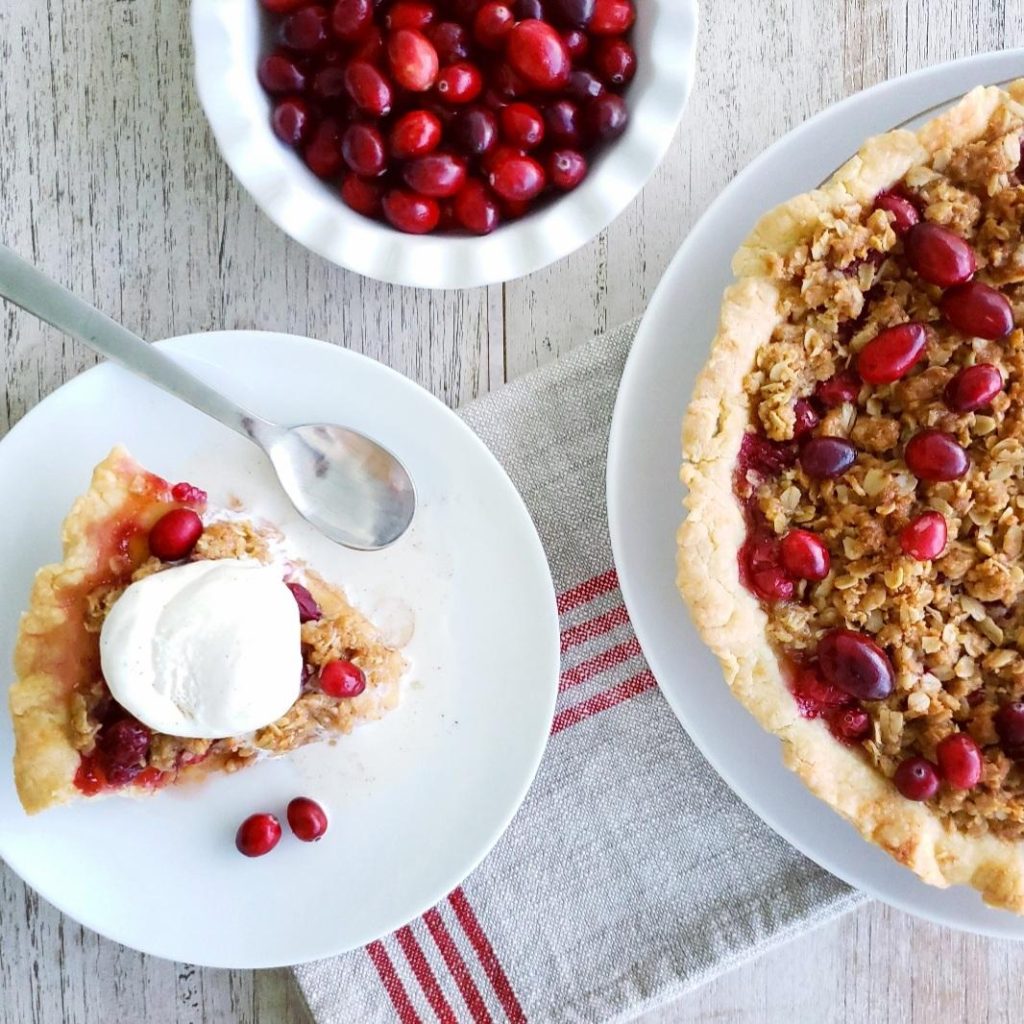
{"x": 615, "y": 61}
{"x": 612, "y": 17}
{"x": 329, "y": 83}
{"x": 916, "y": 779}
{"x": 459, "y": 83}
{"x": 938, "y": 255}
{"x": 564, "y": 124}
{"x": 409, "y": 14}
{"x": 805, "y": 418}
{"x": 307, "y": 30}
{"x": 856, "y": 664}
{"x": 804, "y": 555}
{"x": 342, "y": 679}
{"x": 904, "y": 212}
{"x": 415, "y": 134}
{"x": 924, "y": 537}
{"x": 409, "y": 212}
{"x": 323, "y": 153}
{"x": 536, "y": 51}
{"x": 849, "y": 725}
{"x": 840, "y": 388}
{"x": 960, "y": 760}
{"x": 188, "y": 494}
{"x": 605, "y": 117}
{"x": 577, "y": 43}
{"x": 575, "y": 13}
{"x": 368, "y": 88}
{"x": 1009, "y": 723}
{"x": 935, "y": 455}
{"x": 124, "y": 746}
{"x": 526, "y": 10}
{"x": 351, "y": 19}
{"x": 761, "y": 571}
{"x": 174, "y": 535}
{"x": 309, "y": 610}
{"x": 566, "y": 168}
{"x": 413, "y": 60}
{"x": 522, "y": 125}
{"x": 437, "y": 174}
{"x": 814, "y": 696}
{"x": 280, "y": 74}
{"x": 892, "y": 353}
{"x": 476, "y": 131}
{"x": 306, "y": 818}
{"x": 475, "y": 209}
{"x": 977, "y": 309}
{"x": 362, "y": 146}
{"x": 492, "y": 24}
{"x": 361, "y": 195}
{"x": 291, "y": 121}
{"x": 517, "y": 177}
{"x": 974, "y": 387}
{"x": 823, "y": 458}
{"x": 450, "y": 40}
{"x": 257, "y": 835}
{"x": 583, "y": 85}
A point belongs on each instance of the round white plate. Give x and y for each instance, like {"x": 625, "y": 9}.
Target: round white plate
{"x": 644, "y": 458}
{"x": 416, "y": 800}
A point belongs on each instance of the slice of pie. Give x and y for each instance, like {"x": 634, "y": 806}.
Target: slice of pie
{"x": 854, "y": 455}
{"x": 74, "y": 740}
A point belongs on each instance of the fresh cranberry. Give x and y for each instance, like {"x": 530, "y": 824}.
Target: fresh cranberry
{"x": 437, "y": 174}
{"x": 323, "y": 153}
{"x": 978, "y": 309}
{"x": 960, "y": 760}
{"x": 536, "y": 51}
{"x": 280, "y": 74}
{"x": 849, "y": 725}
{"x": 368, "y": 88}
{"x": 476, "y": 131}
{"x": 188, "y": 494}
{"x": 974, "y": 387}
{"x": 916, "y": 779}
{"x": 522, "y": 125}
{"x": 1009, "y": 723}
{"x": 615, "y": 61}
{"x": 612, "y": 17}
{"x": 307, "y": 30}
{"x": 415, "y": 134}
{"x": 492, "y": 24}
{"x": 450, "y": 40}
{"x": 823, "y": 458}
{"x": 124, "y": 746}
{"x": 773, "y": 584}
{"x": 410, "y": 212}
{"x": 413, "y": 60}
{"x": 566, "y": 168}
{"x": 351, "y": 19}
{"x": 459, "y": 83}
{"x": 517, "y": 177}
{"x": 856, "y": 664}
{"x": 764, "y": 456}
{"x": 761, "y": 570}
{"x": 306, "y": 818}
{"x": 934, "y": 455}
{"x": 409, "y": 14}
{"x": 805, "y": 418}
{"x": 814, "y": 696}
{"x": 938, "y": 255}
{"x": 342, "y": 679}
{"x": 576, "y": 13}
{"x": 924, "y": 537}
{"x": 563, "y": 123}
{"x": 804, "y": 555}
{"x": 892, "y": 353}
{"x": 309, "y": 610}
{"x": 291, "y": 121}
{"x": 584, "y": 85}
{"x": 282, "y": 6}
{"x": 838, "y": 389}
{"x": 257, "y": 835}
{"x": 904, "y": 212}
{"x": 362, "y": 146}
{"x": 606, "y": 117}
{"x": 577, "y": 43}
{"x": 174, "y": 534}
{"x": 475, "y": 209}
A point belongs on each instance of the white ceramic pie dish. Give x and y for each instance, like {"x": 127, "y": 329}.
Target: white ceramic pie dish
{"x": 226, "y": 36}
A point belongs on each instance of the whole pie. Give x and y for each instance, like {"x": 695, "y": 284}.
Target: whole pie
{"x": 74, "y": 740}
{"x": 854, "y": 456}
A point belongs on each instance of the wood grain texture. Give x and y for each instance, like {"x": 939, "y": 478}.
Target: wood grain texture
{"x": 110, "y": 182}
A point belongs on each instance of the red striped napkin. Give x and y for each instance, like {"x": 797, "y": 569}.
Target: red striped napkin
{"x": 631, "y": 873}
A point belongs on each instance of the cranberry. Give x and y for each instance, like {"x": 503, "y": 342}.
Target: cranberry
{"x": 563, "y": 122}
{"x": 188, "y": 494}
{"x": 438, "y": 174}
{"x": 476, "y": 131}
{"x": 612, "y": 17}
{"x": 938, "y": 255}
{"x": 805, "y": 418}
{"x": 536, "y": 51}
{"x": 361, "y": 195}
{"x": 124, "y": 746}
{"x": 282, "y": 6}
{"x": 615, "y": 61}
{"x": 517, "y": 177}
{"x": 815, "y": 697}
{"x": 1009, "y": 723}
{"x": 838, "y": 389}
{"x": 934, "y": 455}
{"x": 577, "y": 43}
{"x": 606, "y": 117}
{"x": 974, "y": 387}
{"x": 323, "y": 154}
{"x": 450, "y": 40}
{"x": 916, "y": 779}
{"x": 415, "y": 134}
{"x": 411, "y": 213}
{"x": 576, "y": 13}
{"x": 892, "y": 353}
{"x": 584, "y": 85}
{"x": 459, "y": 83}
{"x": 409, "y": 14}
{"x": 566, "y": 168}
{"x": 475, "y": 209}
{"x": 527, "y": 10}
{"x": 522, "y": 125}
{"x": 368, "y": 88}
{"x": 342, "y": 679}
{"x": 763, "y": 456}
{"x": 291, "y": 121}
{"x": 329, "y": 83}
{"x": 306, "y": 819}
{"x": 280, "y": 74}
{"x": 307, "y": 30}
{"x": 849, "y": 725}
{"x": 371, "y": 48}
{"x": 924, "y": 537}
{"x": 413, "y": 60}
{"x": 856, "y": 664}
{"x": 772, "y": 584}
{"x": 362, "y": 146}
{"x": 309, "y": 610}
{"x": 174, "y": 534}
{"x": 904, "y": 212}
{"x": 960, "y": 760}
{"x": 492, "y": 24}
{"x": 823, "y": 458}
{"x": 257, "y": 835}
{"x": 978, "y": 309}
{"x": 352, "y": 19}
{"x": 761, "y": 571}
{"x": 804, "y": 555}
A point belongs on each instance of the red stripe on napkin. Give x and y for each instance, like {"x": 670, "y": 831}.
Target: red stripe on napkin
{"x": 599, "y": 663}
{"x": 603, "y": 701}
{"x": 392, "y": 983}
{"x": 424, "y": 975}
{"x": 454, "y": 962}
{"x": 587, "y": 591}
{"x": 576, "y": 635}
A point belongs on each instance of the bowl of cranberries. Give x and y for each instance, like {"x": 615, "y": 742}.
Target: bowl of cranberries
{"x": 443, "y": 143}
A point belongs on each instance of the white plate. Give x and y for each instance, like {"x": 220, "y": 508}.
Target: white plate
{"x": 644, "y": 458}
{"x": 416, "y": 800}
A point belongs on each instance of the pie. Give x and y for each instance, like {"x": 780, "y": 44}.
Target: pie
{"x": 854, "y": 458}
{"x": 72, "y": 740}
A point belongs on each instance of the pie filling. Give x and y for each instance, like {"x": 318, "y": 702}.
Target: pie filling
{"x": 882, "y": 481}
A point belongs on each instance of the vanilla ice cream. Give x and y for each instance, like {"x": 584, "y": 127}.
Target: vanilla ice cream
{"x": 204, "y": 650}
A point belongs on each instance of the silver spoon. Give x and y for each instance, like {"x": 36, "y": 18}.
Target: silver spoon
{"x": 350, "y": 488}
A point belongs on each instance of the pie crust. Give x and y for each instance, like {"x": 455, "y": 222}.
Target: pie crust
{"x": 730, "y": 619}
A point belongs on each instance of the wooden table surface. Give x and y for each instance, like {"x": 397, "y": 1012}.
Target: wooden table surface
{"x": 110, "y": 182}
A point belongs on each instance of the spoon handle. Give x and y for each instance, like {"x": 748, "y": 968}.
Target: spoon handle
{"x": 27, "y": 287}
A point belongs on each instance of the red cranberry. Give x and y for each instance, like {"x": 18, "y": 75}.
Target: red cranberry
{"x": 823, "y": 458}
{"x": 188, "y": 494}
{"x": 576, "y": 13}
{"x": 766, "y": 457}
{"x": 577, "y": 43}
{"x": 413, "y": 60}
{"x": 772, "y": 584}
{"x": 410, "y": 212}
{"x": 342, "y": 679}
{"x": 934, "y": 455}
{"x": 437, "y": 174}
{"x": 566, "y": 168}
{"x": 761, "y": 571}
{"x": 174, "y": 534}
{"x": 849, "y": 725}
{"x": 938, "y": 255}
{"x": 280, "y": 74}
{"x": 563, "y": 122}
{"x": 522, "y": 125}
{"x": 450, "y": 40}
{"x": 368, "y": 88}
{"x": 415, "y": 134}
{"x": 960, "y": 760}
{"x": 282, "y": 6}
{"x": 309, "y": 610}
{"x": 612, "y": 17}
{"x": 536, "y": 51}
{"x": 475, "y": 209}
{"x": 805, "y": 418}
{"x": 307, "y": 30}
{"x": 459, "y": 83}
{"x": 606, "y": 117}
{"x": 1009, "y": 723}
{"x": 978, "y": 309}
{"x": 892, "y": 353}
{"x": 362, "y": 146}
{"x": 291, "y": 121}
{"x": 409, "y": 14}
{"x": 517, "y": 177}
{"x": 840, "y": 388}
{"x": 924, "y": 537}
{"x": 476, "y": 131}
{"x": 329, "y": 83}
{"x": 351, "y": 19}
{"x": 815, "y": 697}
{"x": 804, "y": 555}
{"x": 615, "y": 61}
{"x": 361, "y": 195}
{"x": 856, "y": 664}
{"x": 124, "y": 746}
{"x": 257, "y": 835}
{"x": 916, "y": 779}
{"x": 306, "y": 818}
{"x": 492, "y": 24}
{"x": 323, "y": 154}
{"x": 974, "y": 387}
{"x": 904, "y": 212}
{"x": 583, "y": 85}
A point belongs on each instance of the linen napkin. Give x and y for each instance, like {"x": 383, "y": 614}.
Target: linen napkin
{"x": 631, "y": 873}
